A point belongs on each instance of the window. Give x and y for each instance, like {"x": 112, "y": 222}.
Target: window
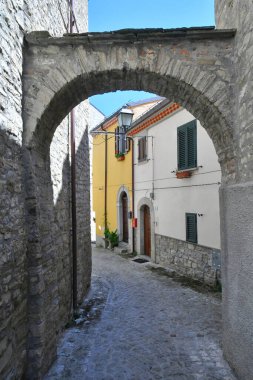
{"x": 121, "y": 141}
{"x": 142, "y": 149}
{"x": 187, "y": 145}
{"x": 191, "y": 227}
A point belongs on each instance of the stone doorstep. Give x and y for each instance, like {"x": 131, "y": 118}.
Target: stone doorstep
{"x": 122, "y": 248}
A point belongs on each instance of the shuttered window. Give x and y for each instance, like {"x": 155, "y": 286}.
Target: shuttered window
{"x": 121, "y": 142}
{"x": 187, "y": 145}
{"x": 191, "y": 227}
{"x": 142, "y": 149}
{"x": 127, "y": 144}
{"x": 116, "y": 140}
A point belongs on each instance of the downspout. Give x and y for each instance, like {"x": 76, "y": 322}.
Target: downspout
{"x": 106, "y": 175}
{"x": 73, "y": 190}
{"x": 133, "y": 228}
{"x": 153, "y": 190}
{"x": 153, "y": 169}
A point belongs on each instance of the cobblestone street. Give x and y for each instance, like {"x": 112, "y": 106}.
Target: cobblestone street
{"x": 141, "y": 325}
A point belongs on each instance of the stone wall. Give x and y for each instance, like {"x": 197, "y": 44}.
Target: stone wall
{"x": 191, "y": 260}
{"x": 60, "y": 160}
{"x": 13, "y": 275}
{"x": 83, "y": 205}
{"x": 239, "y": 14}
{"x": 16, "y": 19}
{"x": 237, "y": 201}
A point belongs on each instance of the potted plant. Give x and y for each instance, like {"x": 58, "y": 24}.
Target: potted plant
{"x": 183, "y": 174}
{"x": 113, "y": 239}
{"x": 120, "y": 156}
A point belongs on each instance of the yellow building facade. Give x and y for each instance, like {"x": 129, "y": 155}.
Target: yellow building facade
{"x": 112, "y": 178}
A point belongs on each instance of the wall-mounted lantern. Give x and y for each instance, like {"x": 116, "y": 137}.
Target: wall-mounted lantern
{"x": 125, "y": 118}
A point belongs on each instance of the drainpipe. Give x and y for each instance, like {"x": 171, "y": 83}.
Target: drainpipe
{"x": 153, "y": 168}
{"x": 133, "y": 229}
{"x": 106, "y": 175}
{"x": 73, "y": 189}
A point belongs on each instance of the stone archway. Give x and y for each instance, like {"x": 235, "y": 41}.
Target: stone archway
{"x": 193, "y": 67}
{"x": 61, "y": 72}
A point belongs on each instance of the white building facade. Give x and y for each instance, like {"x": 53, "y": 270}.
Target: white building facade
{"x": 177, "y": 178}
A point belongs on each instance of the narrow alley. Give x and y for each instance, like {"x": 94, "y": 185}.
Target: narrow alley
{"x": 142, "y": 325}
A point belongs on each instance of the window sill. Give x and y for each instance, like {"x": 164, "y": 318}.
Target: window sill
{"x": 183, "y": 174}
{"x": 142, "y": 160}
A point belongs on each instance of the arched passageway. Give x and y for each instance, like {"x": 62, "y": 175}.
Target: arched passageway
{"x": 60, "y": 73}
{"x": 167, "y": 63}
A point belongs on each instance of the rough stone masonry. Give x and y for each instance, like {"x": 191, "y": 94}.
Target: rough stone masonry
{"x": 207, "y": 71}
{"x": 19, "y": 325}
{"x": 213, "y": 81}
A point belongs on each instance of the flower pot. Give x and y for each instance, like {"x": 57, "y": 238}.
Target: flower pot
{"x": 183, "y": 174}
{"x": 121, "y": 158}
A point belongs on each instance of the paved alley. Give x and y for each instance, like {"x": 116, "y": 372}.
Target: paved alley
{"x": 141, "y": 325}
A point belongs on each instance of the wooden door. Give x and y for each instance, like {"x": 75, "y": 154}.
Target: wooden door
{"x": 125, "y": 217}
{"x": 147, "y": 231}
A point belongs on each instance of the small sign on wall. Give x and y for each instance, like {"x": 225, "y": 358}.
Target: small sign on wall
{"x": 134, "y": 222}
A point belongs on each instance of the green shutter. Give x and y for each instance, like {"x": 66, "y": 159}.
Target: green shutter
{"x": 182, "y": 147}
{"x": 145, "y": 148}
{"x": 116, "y": 141}
{"x": 191, "y": 227}
{"x": 192, "y": 144}
{"x": 122, "y": 142}
{"x": 187, "y": 145}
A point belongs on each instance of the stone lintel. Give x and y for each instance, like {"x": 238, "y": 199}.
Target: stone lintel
{"x": 130, "y": 35}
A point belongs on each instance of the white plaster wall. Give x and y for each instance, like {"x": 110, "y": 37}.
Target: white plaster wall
{"x": 174, "y": 197}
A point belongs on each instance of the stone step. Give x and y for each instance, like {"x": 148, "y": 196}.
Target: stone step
{"x": 122, "y": 248}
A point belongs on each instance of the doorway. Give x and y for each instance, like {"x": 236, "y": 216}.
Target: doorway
{"x": 147, "y": 231}
{"x": 124, "y": 202}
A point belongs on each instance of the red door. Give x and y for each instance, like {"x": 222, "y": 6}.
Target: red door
{"x": 147, "y": 231}
{"x": 125, "y": 217}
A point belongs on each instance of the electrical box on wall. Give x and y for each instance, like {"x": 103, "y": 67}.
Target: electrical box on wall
{"x": 134, "y": 223}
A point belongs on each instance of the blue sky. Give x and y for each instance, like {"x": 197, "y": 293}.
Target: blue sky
{"x": 107, "y": 15}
